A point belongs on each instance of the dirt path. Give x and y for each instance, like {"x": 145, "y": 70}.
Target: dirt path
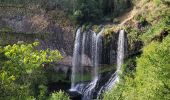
{"x": 128, "y": 16}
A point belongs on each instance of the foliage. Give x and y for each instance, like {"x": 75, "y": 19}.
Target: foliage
{"x": 150, "y": 78}
{"x": 86, "y": 11}
{"x": 153, "y": 66}
{"x": 162, "y": 25}
{"x": 59, "y": 96}
{"x": 151, "y": 81}
{"x": 133, "y": 37}
{"x": 82, "y": 11}
{"x": 21, "y": 72}
{"x": 95, "y": 10}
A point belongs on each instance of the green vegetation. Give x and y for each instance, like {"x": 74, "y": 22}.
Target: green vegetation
{"x": 147, "y": 76}
{"x": 59, "y": 96}
{"x": 22, "y": 75}
{"x": 78, "y": 11}
{"x": 151, "y": 79}
{"x": 87, "y": 11}
{"x": 144, "y": 77}
{"x": 157, "y": 30}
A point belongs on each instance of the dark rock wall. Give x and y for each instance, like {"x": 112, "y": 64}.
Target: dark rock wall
{"x": 109, "y": 50}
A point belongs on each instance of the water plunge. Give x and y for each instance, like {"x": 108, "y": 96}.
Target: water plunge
{"x": 82, "y": 41}
{"x": 79, "y": 61}
{"x": 96, "y": 56}
{"x": 83, "y": 55}
{"x": 76, "y": 59}
{"x": 120, "y": 56}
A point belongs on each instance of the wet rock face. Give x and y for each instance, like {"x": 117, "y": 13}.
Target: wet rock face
{"x": 109, "y": 50}
{"x": 67, "y": 60}
{"x": 39, "y": 28}
{"x": 75, "y": 95}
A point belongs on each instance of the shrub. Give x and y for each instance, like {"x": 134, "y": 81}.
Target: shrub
{"x": 21, "y": 74}
{"x": 59, "y": 96}
{"x": 152, "y": 77}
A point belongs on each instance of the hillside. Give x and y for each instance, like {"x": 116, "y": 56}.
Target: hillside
{"x": 84, "y": 49}
{"x": 145, "y": 76}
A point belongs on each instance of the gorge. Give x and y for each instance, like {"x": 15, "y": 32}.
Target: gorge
{"x": 84, "y": 50}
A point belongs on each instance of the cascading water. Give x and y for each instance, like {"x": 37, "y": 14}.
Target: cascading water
{"x": 120, "y": 56}
{"x": 83, "y": 55}
{"x": 76, "y": 59}
{"x": 96, "y": 52}
{"x": 120, "y": 51}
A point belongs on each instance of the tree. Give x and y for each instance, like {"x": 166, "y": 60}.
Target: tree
{"x": 22, "y": 74}
{"x": 87, "y": 11}
{"x": 59, "y": 96}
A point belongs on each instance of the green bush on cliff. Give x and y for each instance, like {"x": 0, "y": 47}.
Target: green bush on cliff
{"x": 156, "y": 30}
{"x": 152, "y": 76}
{"x": 21, "y": 71}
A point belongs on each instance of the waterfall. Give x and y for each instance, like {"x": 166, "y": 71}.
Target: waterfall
{"x": 80, "y": 47}
{"x": 120, "y": 56}
{"x": 83, "y": 55}
{"x": 120, "y": 51}
{"x": 96, "y": 56}
{"x": 98, "y": 48}
{"x": 76, "y": 59}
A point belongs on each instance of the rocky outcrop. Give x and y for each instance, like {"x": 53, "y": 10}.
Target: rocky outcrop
{"x": 40, "y": 27}
{"x": 67, "y": 60}
{"x": 109, "y": 51}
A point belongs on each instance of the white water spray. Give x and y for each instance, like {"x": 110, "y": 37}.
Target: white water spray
{"x": 96, "y": 54}
{"x": 120, "y": 56}
{"x": 76, "y": 59}
{"x": 83, "y": 55}
{"x": 86, "y": 90}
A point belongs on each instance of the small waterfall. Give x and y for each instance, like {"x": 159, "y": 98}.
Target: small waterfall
{"x": 120, "y": 56}
{"x": 83, "y": 55}
{"x": 76, "y": 59}
{"x": 120, "y": 51}
{"x": 98, "y": 48}
{"x": 96, "y": 56}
